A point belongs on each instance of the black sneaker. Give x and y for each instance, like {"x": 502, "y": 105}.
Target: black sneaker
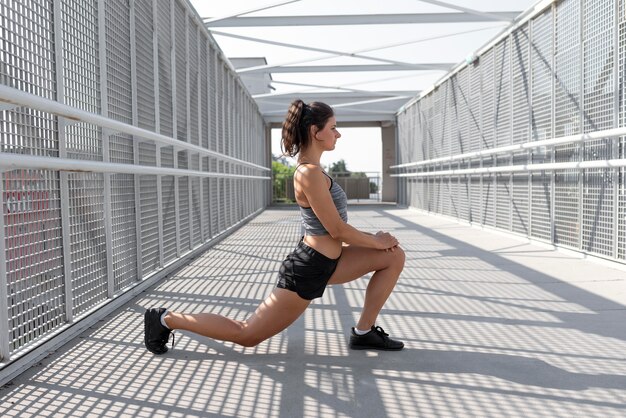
{"x": 375, "y": 339}
{"x": 155, "y": 334}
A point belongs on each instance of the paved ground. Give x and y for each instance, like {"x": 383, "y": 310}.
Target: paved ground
{"x": 493, "y": 327}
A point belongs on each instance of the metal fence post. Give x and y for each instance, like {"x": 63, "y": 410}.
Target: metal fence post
{"x": 5, "y": 351}
{"x": 157, "y": 127}
{"x": 615, "y": 148}
{"x": 135, "y": 119}
{"x": 175, "y": 120}
{"x": 188, "y": 117}
{"x": 63, "y": 175}
{"x": 106, "y": 156}
{"x": 200, "y": 135}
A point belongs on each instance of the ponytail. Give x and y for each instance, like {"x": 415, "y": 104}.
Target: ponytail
{"x": 300, "y": 117}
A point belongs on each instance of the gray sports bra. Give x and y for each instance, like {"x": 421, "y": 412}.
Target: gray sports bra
{"x": 311, "y": 225}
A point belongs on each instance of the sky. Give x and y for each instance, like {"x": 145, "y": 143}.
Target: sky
{"x": 361, "y": 148}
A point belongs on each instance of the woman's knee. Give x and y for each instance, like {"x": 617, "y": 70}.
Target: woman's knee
{"x": 248, "y": 339}
{"x": 398, "y": 258}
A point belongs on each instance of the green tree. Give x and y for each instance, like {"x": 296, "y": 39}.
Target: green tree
{"x": 339, "y": 169}
{"x": 281, "y": 173}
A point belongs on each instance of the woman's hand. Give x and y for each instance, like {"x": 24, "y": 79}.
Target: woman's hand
{"x": 386, "y": 241}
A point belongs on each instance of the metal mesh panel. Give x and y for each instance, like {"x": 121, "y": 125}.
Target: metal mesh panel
{"x": 475, "y": 199}
{"x": 437, "y": 124}
{"x": 165, "y": 72}
{"x": 228, "y": 112}
{"x": 453, "y": 186}
{"x": 519, "y": 203}
{"x": 463, "y": 198}
{"x": 503, "y": 201}
{"x": 34, "y": 255}
{"x": 27, "y": 55}
{"x": 462, "y": 101}
{"x": 487, "y": 98}
{"x": 168, "y": 206}
{"x": 84, "y": 142}
{"x": 194, "y": 86}
{"x": 119, "y": 92}
{"x": 205, "y": 185}
{"x": 183, "y": 203}
{"x": 444, "y": 93}
{"x": 540, "y": 205}
{"x": 196, "y": 232}
{"x": 598, "y": 55}
{"x": 80, "y": 52}
{"x": 475, "y": 109}
{"x": 221, "y": 210}
{"x": 418, "y": 149}
{"x": 204, "y": 111}
{"x": 598, "y": 113}
{"x": 117, "y": 28}
{"x": 123, "y": 230}
{"x": 566, "y": 208}
{"x": 214, "y": 199}
{"x": 149, "y": 223}
{"x": 87, "y": 236}
{"x": 567, "y": 111}
{"x": 621, "y": 222}
{"x": 213, "y": 97}
{"x": 180, "y": 50}
{"x": 169, "y": 217}
{"x": 455, "y": 117}
{"x": 542, "y": 77}
{"x": 598, "y": 211}
{"x": 444, "y": 186}
{"x": 426, "y": 117}
{"x": 488, "y": 200}
{"x": 27, "y": 63}
{"x": 451, "y": 140}
{"x": 28, "y": 131}
{"x": 145, "y": 64}
{"x": 229, "y": 198}
{"x": 521, "y": 85}
{"x": 148, "y": 198}
{"x": 502, "y": 94}
{"x": 567, "y": 72}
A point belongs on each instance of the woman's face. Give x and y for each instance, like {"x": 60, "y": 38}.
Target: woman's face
{"x": 328, "y": 136}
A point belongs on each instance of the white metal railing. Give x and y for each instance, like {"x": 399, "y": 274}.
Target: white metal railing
{"x": 15, "y": 97}
{"x": 564, "y": 140}
{"x": 570, "y": 139}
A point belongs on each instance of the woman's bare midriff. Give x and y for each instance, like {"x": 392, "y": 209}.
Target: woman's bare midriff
{"x": 324, "y": 244}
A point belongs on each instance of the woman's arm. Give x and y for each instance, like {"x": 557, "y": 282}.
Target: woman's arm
{"x": 313, "y": 183}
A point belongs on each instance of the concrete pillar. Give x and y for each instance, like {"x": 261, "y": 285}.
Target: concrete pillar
{"x": 388, "y": 134}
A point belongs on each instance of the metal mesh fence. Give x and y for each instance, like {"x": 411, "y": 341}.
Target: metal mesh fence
{"x": 73, "y": 239}
{"x": 559, "y": 72}
{"x": 621, "y": 213}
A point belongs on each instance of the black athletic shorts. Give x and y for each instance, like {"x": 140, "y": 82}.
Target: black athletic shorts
{"x": 306, "y": 272}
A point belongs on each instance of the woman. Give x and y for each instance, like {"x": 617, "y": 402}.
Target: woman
{"x": 319, "y": 259}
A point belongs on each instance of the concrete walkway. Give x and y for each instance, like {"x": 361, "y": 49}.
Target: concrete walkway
{"x": 493, "y": 326}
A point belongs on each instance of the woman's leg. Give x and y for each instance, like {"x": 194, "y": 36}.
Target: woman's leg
{"x": 356, "y": 262}
{"x": 274, "y": 314}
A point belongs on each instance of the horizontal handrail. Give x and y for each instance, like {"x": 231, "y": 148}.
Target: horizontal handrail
{"x": 522, "y": 167}
{"x": 20, "y": 98}
{"x": 10, "y": 161}
{"x": 608, "y": 133}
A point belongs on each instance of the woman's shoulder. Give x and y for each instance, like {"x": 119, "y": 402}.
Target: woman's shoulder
{"x": 309, "y": 173}
{"x": 309, "y": 170}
